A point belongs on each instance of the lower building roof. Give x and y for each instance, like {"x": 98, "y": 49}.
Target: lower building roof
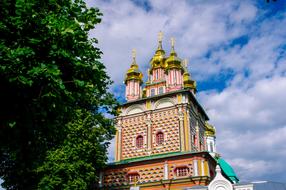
{"x": 156, "y": 156}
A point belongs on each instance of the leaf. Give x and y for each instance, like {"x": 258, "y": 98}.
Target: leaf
{"x": 68, "y": 30}
{"x": 12, "y": 124}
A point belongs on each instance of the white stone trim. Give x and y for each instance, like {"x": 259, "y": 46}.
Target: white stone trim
{"x": 196, "y": 172}
{"x": 220, "y": 182}
{"x": 164, "y": 102}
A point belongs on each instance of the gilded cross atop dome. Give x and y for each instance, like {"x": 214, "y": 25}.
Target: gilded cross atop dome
{"x": 160, "y": 36}
{"x": 160, "y": 39}
{"x": 173, "y": 53}
{"x": 134, "y": 55}
{"x": 133, "y": 73}
{"x": 173, "y": 42}
{"x": 185, "y": 62}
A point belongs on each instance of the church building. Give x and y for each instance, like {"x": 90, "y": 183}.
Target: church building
{"x": 163, "y": 138}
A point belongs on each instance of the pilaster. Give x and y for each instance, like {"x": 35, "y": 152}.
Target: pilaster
{"x": 166, "y": 171}
{"x": 187, "y": 130}
{"x": 196, "y": 170}
{"x": 149, "y": 132}
{"x": 119, "y": 141}
{"x": 202, "y": 168}
{"x": 181, "y": 124}
{"x": 198, "y": 136}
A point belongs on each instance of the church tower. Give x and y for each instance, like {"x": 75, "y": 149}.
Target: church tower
{"x": 163, "y": 140}
{"x": 133, "y": 80}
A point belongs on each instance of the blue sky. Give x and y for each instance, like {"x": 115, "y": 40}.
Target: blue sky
{"x": 236, "y": 53}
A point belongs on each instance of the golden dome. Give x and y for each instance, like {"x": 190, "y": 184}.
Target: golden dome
{"x": 173, "y": 61}
{"x": 210, "y": 130}
{"x": 133, "y": 73}
{"x": 158, "y": 60}
{"x": 188, "y": 82}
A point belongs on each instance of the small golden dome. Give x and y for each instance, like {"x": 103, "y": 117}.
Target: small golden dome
{"x": 158, "y": 60}
{"x": 133, "y": 73}
{"x": 210, "y": 130}
{"x": 173, "y": 61}
{"x": 188, "y": 82}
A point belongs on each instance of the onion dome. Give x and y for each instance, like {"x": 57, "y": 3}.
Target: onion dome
{"x": 210, "y": 130}
{"x": 173, "y": 61}
{"x": 188, "y": 82}
{"x": 133, "y": 72}
{"x": 158, "y": 59}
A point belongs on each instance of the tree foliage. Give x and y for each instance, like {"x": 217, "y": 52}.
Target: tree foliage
{"x": 53, "y": 133}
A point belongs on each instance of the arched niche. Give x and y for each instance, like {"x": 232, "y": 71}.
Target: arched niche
{"x": 134, "y": 109}
{"x": 164, "y": 102}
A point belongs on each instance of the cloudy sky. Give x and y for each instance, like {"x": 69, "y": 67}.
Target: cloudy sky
{"x": 236, "y": 53}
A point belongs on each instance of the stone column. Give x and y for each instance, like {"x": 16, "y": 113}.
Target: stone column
{"x": 182, "y": 133}
{"x": 202, "y": 168}
{"x": 188, "y": 134}
{"x": 116, "y": 144}
{"x": 149, "y": 133}
{"x": 198, "y": 137}
{"x": 166, "y": 171}
{"x": 195, "y": 168}
{"x": 119, "y": 143}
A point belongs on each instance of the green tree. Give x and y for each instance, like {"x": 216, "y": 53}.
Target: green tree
{"x": 53, "y": 96}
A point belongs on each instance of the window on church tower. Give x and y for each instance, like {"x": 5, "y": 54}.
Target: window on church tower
{"x": 161, "y": 90}
{"x": 160, "y": 138}
{"x": 195, "y": 140}
{"x": 211, "y": 147}
{"x": 139, "y": 141}
{"x": 153, "y": 92}
{"x": 175, "y": 78}
{"x": 157, "y": 74}
{"x": 133, "y": 177}
{"x": 182, "y": 171}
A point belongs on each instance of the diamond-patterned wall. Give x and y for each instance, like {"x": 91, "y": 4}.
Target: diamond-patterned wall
{"x": 168, "y": 122}
{"x": 131, "y": 128}
{"x": 148, "y": 172}
{"x": 165, "y": 120}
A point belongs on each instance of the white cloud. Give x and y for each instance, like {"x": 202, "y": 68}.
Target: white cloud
{"x": 197, "y": 26}
{"x": 261, "y": 106}
{"x": 251, "y": 127}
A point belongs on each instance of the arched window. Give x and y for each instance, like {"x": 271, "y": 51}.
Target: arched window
{"x": 152, "y": 92}
{"x": 211, "y": 147}
{"x": 161, "y": 90}
{"x": 202, "y": 148}
{"x": 182, "y": 171}
{"x": 139, "y": 141}
{"x": 160, "y": 138}
{"x": 157, "y": 74}
{"x": 195, "y": 140}
{"x": 133, "y": 177}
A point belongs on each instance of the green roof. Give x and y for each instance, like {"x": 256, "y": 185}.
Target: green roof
{"x": 228, "y": 170}
{"x": 151, "y": 157}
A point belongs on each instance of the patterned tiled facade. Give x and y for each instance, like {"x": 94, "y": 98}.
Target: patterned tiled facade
{"x": 155, "y": 171}
{"x": 165, "y": 120}
{"x": 131, "y": 128}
